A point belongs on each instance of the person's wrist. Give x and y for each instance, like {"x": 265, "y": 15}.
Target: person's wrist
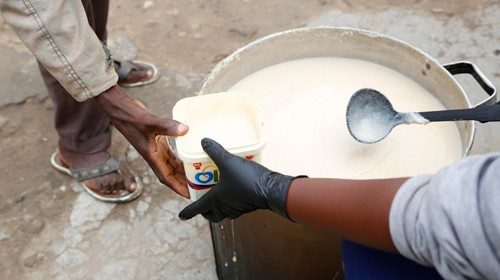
{"x": 109, "y": 99}
{"x": 277, "y": 192}
{"x": 278, "y": 186}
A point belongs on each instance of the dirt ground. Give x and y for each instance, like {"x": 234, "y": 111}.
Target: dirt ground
{"x": 50, "y": 228}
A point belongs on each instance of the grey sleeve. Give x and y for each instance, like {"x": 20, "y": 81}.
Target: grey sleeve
{"x": 58, "y": 34}
{"x": 451, "y": 220}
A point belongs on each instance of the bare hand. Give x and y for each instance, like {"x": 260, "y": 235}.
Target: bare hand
{"x": 146, "y": 132}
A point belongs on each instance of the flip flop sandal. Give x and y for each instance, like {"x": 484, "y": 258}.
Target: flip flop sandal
{"x": 95, "y": 171}
{"x": 127, "y": 66}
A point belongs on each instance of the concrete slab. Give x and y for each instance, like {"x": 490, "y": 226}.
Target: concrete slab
{"x": 17, "y": 79}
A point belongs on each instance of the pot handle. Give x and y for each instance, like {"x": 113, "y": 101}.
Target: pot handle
{"x": 466, "y": 67}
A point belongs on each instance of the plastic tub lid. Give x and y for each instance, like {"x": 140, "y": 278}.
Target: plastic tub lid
{"x": 230, "y": 118}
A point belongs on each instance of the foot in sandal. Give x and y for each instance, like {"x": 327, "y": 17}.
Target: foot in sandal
{"x": 101, "y": 175}
{"x": 135, "y": 73}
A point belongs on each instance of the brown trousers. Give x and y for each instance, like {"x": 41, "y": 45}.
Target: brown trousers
{"x": 83, "y": 127}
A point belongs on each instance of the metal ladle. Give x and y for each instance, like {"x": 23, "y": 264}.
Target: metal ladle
{"x": 371, "y": 117}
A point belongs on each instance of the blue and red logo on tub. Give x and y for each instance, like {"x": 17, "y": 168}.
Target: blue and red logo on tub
{"x": 204, "y": 179}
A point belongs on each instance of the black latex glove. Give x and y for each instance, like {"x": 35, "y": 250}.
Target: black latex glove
{"x": 245, "y": 186}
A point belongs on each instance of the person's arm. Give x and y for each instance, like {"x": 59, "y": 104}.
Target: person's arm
{"x": 58, "y": 34}
{"x": 356, "y": 210}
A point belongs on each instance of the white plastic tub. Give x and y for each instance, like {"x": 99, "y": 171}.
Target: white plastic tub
{"x": 230, "y": 118}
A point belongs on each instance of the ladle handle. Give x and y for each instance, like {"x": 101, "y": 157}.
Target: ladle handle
{"x": 482, "y": 114}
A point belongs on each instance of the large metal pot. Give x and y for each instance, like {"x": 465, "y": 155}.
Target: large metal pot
{"x": 268, "y": 247}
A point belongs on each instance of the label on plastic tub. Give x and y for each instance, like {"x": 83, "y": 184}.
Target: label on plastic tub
{"x": 202, "y": 176}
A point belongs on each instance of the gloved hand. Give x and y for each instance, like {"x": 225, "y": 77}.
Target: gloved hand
{"x": 245, "y": 186}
